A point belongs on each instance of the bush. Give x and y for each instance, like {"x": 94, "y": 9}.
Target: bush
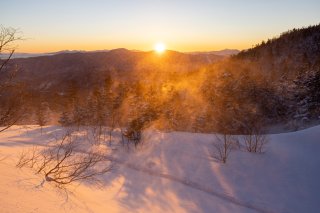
{"x": 255, "y": 142}
{"x": 62, "y": 164}
{"x": 222, "y": 147}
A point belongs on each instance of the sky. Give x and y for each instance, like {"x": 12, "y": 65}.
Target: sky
{"x": 183, "y": 25}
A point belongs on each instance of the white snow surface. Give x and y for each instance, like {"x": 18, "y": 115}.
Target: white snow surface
{"x": 171, "y": 172}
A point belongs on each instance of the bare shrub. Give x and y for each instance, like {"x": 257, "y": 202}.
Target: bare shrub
{"x": 254, "y": 138}
{"x": 255, "y": 142}
{"x": 133, "y": 133}
{"x": 62, "y": 164}
{"x": 222, "y": 147}
{"x": 93, "y": 134}
{"x": 113, "y": 121}
{"x": 42, "y": 114}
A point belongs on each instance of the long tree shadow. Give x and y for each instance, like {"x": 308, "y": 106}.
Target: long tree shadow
{"x": 173, "y": 174}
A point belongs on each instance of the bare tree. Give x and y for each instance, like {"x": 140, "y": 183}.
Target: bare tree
{"x": 10, "y": 92}
{"x": 112, "y": 124}
{"x": 113, "y": 117}
{"x": 42, "y": 114}
{"x": 8, "y": 38}
{"x": 255, "y": 142}
{"x": 62, "y": 164}
{"x": 65, "y": 119}
{"x": 254, "y": 138}
{"x": 133, "y": 133}
{"x": 222, "y": 147}
{"x": 93, "y": 134}
{"x": 10, "y": 109}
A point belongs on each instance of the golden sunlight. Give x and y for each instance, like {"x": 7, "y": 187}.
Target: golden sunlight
{"x": 159, "y": 47}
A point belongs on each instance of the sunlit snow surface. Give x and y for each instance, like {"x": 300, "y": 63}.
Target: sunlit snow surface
{"x": 171, "y": 172}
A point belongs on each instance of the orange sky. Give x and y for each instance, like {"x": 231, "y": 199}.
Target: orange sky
{"x": 183, "y": 25}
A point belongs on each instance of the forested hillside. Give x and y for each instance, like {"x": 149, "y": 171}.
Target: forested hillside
{"x": 275, "y": 83}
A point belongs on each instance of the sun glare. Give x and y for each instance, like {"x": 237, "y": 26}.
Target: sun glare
{"x": 160, "y": 47}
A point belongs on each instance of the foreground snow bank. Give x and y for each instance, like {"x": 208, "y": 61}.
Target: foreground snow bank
{"x": 172, "y": 172}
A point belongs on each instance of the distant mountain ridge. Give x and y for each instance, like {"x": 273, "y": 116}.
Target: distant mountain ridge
{"x": 29, "y": 55}
{"x": 87, "y": 69}
{"x": 225, "y": 52}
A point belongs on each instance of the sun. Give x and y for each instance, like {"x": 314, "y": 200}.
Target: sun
{"x": 159, "y": 47}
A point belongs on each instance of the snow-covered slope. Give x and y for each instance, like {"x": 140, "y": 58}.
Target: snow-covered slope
{"x": 172, "y": 172}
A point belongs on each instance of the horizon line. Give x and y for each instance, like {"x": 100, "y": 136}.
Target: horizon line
{"x": 107, "y": 50}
